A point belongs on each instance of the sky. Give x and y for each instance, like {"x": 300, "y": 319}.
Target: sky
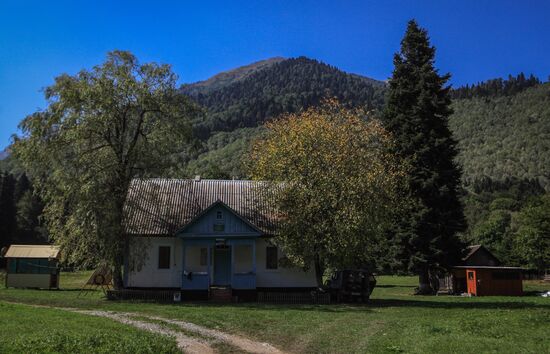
{"x": 475, "y": 39}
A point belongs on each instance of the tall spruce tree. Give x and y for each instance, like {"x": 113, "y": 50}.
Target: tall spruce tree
{"x": 416, "y": 112}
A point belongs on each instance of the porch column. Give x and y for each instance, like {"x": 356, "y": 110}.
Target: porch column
{"x": 254, "y": 256}
{"x": 208, "y": 251}
{"x": 233, "y": 245}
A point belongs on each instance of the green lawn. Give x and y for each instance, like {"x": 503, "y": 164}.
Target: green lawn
{"x": 26, "y": 329}
{"x": 394, "y": 321}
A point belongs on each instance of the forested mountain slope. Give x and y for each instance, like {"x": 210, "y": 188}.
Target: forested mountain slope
{"x": 504, "y": 136}
{"x": 285, "y": 86}
{"x": 227, "y": 78}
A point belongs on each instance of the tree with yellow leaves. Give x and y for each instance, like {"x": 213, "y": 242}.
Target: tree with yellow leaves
{"x": 335, "y": 184}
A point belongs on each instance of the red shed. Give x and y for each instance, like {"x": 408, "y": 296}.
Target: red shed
{"x": 493, "y": 280}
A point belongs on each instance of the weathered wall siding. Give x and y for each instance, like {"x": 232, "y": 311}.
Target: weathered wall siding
{"x": 28, "y": 281}
{"x": 282, "y": 277}
{"x": 243, "y": 258}
{"x": 233, "y": 225}
{"x": 193, "y": 259}
{"x": 150, "y": 276}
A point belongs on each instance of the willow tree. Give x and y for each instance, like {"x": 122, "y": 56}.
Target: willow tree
{"x": 101, "y": 128}
{"x": 335, "y": 186}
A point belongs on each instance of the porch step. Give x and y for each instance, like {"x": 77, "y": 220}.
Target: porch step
{"x": 221, "y": 294}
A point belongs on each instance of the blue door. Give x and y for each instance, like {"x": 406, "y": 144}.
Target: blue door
{"x": 222, "y": 266}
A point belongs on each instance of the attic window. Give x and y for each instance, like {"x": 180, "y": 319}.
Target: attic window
{"x": 219, "y": 215}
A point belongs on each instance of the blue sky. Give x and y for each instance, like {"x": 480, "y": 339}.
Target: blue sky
{"x": 476, "y": 40}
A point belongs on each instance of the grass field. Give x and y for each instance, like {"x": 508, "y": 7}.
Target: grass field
{"x": 394, "y": 321}
{"x": 26, "y": 329}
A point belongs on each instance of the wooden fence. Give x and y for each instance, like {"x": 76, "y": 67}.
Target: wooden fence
{"x": 143, "y": 295}
{"x": 294, "y": 297}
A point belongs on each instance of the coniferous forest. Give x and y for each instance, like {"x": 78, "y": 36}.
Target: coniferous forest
{"x": 502, "y": 127}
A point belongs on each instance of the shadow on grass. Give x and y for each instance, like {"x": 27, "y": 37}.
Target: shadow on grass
{"x": 396, "y": 286}
{"x": 465, "y": 304}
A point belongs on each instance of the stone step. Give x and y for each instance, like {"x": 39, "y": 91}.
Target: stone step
{"x": 221, "y": 294}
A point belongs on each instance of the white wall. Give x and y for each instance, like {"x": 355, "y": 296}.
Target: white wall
{"x": 150, "y": 276}
{"x": 243, "y": 258}
{"x": 281, "y": 277}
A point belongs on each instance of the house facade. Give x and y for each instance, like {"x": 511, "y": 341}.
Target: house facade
{"x": 198, "y": 234}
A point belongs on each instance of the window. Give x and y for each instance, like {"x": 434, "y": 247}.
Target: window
{"x": 271, "y": 258}
{"x": 31, "y": 266}
{"x": 471, "y": 275}
{"x": 204, "y": 256}
{"x": 164, "y": 257}
{"x": 219, "y": 215}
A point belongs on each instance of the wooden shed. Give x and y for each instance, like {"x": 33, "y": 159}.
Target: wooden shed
{"x": 32, "y": 266}
{"x": 493, "y": 280}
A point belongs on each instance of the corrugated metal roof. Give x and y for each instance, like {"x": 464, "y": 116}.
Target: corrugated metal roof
{"x": 32, "y": 251}
{"x": 163, "y": 206}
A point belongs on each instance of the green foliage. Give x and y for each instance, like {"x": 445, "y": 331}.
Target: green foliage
{"x": 336, "y": 186}
{"x": 504, "y": 137}
{"x": 416, "y": 113}
{"x": 224, "y": 154}
{"x": 533, "y": 234}
{"x": 496, "y": 87}
{"x": 283, "y": 87}
{"x": 102, "y": 127}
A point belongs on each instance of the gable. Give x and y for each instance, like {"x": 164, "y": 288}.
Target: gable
{"x": 162, "y": 207}
{"x": 219, "y": 220}
{"x": 480, "y": 256}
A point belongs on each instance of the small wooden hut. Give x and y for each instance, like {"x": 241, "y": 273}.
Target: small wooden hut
{"x": 32, "y": 266}
{"x": 487, "y": 280}
{"x": 481, "y": 273}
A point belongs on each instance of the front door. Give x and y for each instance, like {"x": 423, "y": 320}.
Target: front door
{"x": 471, "y": 282}
{"x": 222, "y": 266}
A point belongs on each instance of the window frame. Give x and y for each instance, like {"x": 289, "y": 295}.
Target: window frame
{"x": 269, "y": 265}
{"x": 169, "y": 258}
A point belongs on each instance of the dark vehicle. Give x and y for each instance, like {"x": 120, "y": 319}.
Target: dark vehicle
{"x": 351, "y": 285}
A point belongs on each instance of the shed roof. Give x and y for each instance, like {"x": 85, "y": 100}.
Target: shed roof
{"x": 160, "y": 206}
{"x": 32, "y": 251}
{"x": 480, "y": 256}
{"x": 488, "y": 267}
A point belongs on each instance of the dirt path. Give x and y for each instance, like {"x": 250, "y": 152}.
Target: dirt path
{"x": 236, "y": 341}
{"x": 185, "y": 343}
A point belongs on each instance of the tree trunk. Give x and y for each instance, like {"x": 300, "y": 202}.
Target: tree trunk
{"x": 319, "y": 272}
{"x": 424, "y": 286}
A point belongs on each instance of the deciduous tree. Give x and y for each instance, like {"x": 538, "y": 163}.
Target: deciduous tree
{"x": 335, "y": 185}
{"x": 102, "y": 127}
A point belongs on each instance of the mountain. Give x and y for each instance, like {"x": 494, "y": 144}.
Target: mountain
{"x": 502, "y": 126}
{"x": 286, "y": 86}
{"x": 236, "y": 110}
{"x": 504, "y": 136}
{"x": 226, "y": 78}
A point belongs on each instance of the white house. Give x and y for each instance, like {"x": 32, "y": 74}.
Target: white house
{"x": 198, "y": 234}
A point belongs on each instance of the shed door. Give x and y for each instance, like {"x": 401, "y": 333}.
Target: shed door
{"x": 471, "y": 281}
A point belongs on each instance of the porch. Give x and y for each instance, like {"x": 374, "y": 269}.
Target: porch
{"x": 219, "y": 262}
